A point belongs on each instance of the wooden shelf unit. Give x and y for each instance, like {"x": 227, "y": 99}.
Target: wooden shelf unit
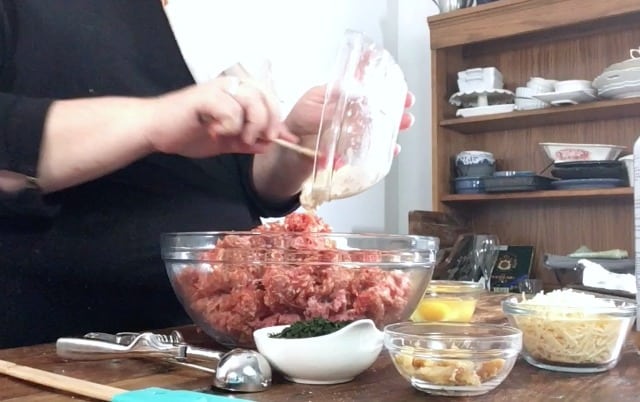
{"x": 555, "y": 39}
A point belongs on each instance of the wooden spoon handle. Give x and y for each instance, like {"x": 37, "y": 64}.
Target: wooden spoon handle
{"x": 295, "y": 147}
{"x": 61, "y": 382}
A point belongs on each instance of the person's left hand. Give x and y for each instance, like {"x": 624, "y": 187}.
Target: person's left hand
{"x": 304, "y": 119}
{"x": 279, "y": 175}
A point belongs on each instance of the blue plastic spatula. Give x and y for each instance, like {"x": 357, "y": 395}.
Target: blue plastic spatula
{"x": 105, "y": 392}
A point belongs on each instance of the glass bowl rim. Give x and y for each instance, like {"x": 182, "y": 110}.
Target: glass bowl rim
{"x": 508, "y": 332}
{"x": 292, "y": 233}
{"x": 445, "y": 288}
{"x": 620, "y": 309}
{"x": 168, "y": 240}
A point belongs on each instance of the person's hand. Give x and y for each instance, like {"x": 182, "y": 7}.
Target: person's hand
{"x": 280, "y": 174}
{"x": 304, "y": 119}
{"x": 225, "y": 115}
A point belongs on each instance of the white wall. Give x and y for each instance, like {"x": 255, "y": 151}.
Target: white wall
{"x": 410, "y": 183}
{"x": 301, "y": 39}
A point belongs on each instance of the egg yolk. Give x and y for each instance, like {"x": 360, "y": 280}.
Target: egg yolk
{"x": 433, "y": 311}
{"x": 445, "y": 309}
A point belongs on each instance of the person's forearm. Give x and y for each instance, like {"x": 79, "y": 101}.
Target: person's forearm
{"x": 279, "y": 173}
{"x": 88, "y": 138}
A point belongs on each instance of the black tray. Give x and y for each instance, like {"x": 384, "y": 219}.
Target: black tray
{"x": 579, "y": 184}
{"x": 590, "y": 170}
{"x": 503, "y": 184}
{"x": 604, "y": 292}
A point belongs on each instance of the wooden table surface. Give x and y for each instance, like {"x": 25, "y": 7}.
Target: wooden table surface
{"x": 379, "y": 383}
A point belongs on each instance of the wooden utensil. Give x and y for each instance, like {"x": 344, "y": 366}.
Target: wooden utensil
{"x": 295, "y": 147}
{"x": 237, "y": 70}
{"x": 105, "y": 392}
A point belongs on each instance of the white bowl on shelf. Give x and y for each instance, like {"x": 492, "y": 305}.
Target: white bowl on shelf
{"x": 541, "y": 85}
{"x": 525, "y": 92}
{"x": 560, "y": 152}
{"x": 529, "y": 104}
{"x": 524, "y": 99}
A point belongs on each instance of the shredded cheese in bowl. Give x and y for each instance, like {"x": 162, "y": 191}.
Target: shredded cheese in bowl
{"x": 566, "y": 330}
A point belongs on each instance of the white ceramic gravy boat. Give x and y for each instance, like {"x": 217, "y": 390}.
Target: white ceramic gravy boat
{"x": 328, "y": 359}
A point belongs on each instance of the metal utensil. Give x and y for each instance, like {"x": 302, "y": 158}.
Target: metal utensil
{"x": 449, "y": 5}
{"x": 241, "y": 370}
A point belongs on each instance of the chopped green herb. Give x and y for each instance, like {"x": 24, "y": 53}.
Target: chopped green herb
{"x": 310, "y": 328}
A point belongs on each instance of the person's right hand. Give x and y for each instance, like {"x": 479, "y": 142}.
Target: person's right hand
{"x": 225, "y": 115}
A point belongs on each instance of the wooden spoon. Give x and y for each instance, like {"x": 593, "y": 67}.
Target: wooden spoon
{"x": 295, "y": 147}
{"x": 237, "y": 70}
{"x": 105, "y": 392}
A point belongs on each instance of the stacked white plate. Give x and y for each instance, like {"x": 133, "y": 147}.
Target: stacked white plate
{"x": 620, "y": 80}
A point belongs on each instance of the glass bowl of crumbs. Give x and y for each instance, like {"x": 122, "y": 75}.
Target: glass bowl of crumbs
{"x": 453, "y": 359}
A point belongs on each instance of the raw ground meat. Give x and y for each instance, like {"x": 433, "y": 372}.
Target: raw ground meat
{"x": 253, "y": 281}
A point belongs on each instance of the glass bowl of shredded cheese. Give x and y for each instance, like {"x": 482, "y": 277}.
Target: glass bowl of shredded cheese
{"x": 453, "y": 359}
{"x": 571, "y": 331}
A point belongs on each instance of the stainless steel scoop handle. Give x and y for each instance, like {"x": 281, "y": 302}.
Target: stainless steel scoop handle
{"x": 202, "y": 354}
{"x": 92, "y": 349}
{"x": 98, "y": 346}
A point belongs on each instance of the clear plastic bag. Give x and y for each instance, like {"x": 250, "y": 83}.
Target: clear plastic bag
{"x": 363, "y": 107}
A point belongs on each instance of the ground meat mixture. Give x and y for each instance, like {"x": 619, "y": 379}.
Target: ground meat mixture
{"x": 253, "y": 281}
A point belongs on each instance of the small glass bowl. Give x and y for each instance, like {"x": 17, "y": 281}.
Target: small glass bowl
{"x": 572, "y": 339}
{"x": 453, "y": 359}
{"x": 448, "y": 301}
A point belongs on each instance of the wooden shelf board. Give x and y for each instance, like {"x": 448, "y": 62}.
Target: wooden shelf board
{"x": 600, "y": 110}
{"x": 540, "y": 195}
{"x": 507, "y": 18}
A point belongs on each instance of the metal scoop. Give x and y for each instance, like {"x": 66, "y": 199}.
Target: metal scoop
{"x": 241, "y": 370}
